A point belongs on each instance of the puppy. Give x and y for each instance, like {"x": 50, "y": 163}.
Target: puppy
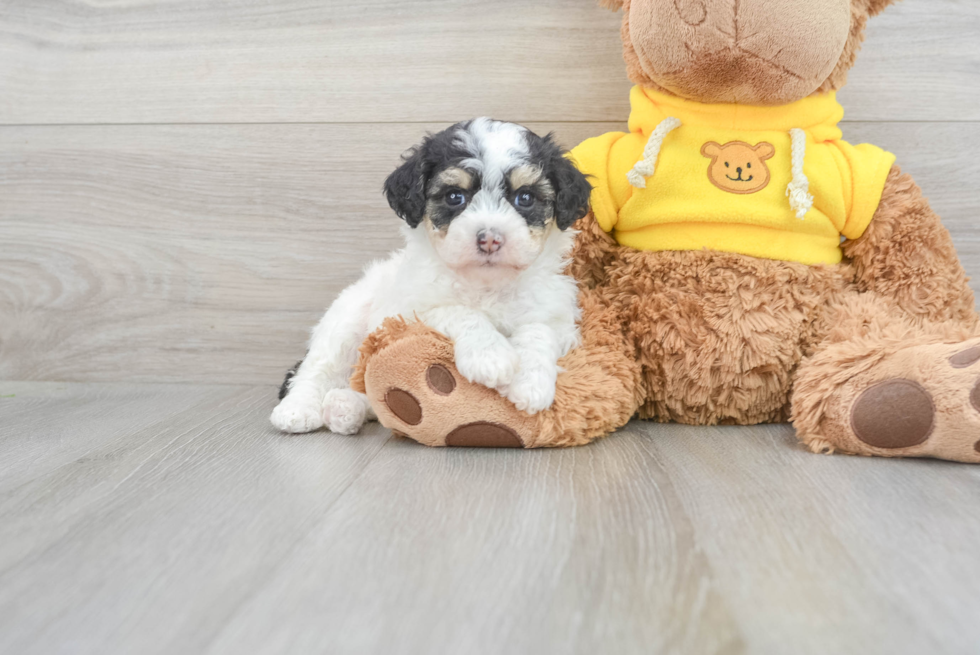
{"x": 487, "y": 206}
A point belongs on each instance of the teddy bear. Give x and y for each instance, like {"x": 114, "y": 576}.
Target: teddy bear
{"x": 741, "y": 263}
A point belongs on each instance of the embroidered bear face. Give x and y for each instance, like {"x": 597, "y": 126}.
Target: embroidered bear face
{"x": 738, "y": 167}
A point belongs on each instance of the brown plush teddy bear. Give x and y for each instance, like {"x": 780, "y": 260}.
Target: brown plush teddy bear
{"x": 742, "y": 264}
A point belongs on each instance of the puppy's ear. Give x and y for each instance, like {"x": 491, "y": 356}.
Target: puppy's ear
{"x": 615, "y": 5}
{"x": 572, "y": 189}
{"x": 405, "y": 188}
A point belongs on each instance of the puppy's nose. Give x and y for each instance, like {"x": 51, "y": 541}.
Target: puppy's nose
{"x": 739, "y": 169}
{"x": 489, "y": 241}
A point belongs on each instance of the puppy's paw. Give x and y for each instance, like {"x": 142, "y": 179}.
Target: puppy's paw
{"x": 492, "y": 362}
{"x": 344, "y": 411}
{"x": 532, "y": 390}
{"x": 297, "y": 414}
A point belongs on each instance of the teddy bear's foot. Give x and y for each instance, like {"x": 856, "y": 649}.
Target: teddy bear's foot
{"x": 921, "y": 401}
{"x": 408, "y": 372}
{"x": 412, "y": 383}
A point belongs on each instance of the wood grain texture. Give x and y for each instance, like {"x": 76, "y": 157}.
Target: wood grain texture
{"x": 159, "y": 224}
{"x": 150, "y": 538}
{"x": 38, "y": 422}
{"x": 146, "y": 61}
{"x": 183, "y": 253}
{"x": 200, "y": 530}
{"x": 205, "y": 253}
{"x": 920, "y": 62}
{"x": 857, "y": 551}
{"x": 142, "y": 61}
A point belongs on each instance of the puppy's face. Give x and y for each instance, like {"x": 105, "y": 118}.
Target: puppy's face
{"x": 488, "y": 194}
{"x": 489, "y": 221}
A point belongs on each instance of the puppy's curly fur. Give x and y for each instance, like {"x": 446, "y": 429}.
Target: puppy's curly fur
{"x": 487, "y": 206}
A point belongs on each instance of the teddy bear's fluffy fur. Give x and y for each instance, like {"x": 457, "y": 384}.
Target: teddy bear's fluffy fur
{"x": 703, "y": 337}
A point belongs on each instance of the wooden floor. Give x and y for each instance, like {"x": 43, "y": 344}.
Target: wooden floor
{"x": 172, "y": 519}
{"x": 185, "y": 186}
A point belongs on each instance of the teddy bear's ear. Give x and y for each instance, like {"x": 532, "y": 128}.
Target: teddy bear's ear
{"x": 874, "y": 7}
{"x": 765, "y": 151}
{"x": 711, "y": 149}
{"x": 615, "y": 5}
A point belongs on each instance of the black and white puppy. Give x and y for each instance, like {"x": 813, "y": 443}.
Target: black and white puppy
{"x": 487, "y": 207}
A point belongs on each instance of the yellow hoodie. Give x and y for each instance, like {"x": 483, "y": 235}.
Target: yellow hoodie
{"x": 771, "y": 182}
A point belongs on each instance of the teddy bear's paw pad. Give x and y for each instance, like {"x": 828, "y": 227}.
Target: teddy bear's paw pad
{"x": 404, "y": 405}
{"x": 894, "y": 414}
{"x": 484, "y": 434}
{"x": 975, "y": 401}
{"x": 440, "y": 380}
{"x": 965, "y": 358}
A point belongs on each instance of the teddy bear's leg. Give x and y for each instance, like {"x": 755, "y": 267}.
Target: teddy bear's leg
{"x": 883, "y": 384}
{"x": 897, "y": 370}
{"x": 407, "y": 371}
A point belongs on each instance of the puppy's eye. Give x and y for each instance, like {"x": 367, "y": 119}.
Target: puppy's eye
{"x": 524, "y": 200}
{"x": 455, "y": 198}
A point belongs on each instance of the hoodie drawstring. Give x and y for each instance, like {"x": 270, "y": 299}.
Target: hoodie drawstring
{"x": 799, "y": 189}
{"x": 647, "y": 166}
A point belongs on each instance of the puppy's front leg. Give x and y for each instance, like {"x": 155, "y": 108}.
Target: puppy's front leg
{"x": 483, "y": 355}
{"x": 533, "y": 388}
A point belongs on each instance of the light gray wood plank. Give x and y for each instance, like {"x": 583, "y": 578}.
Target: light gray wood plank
{"x": 921, "y": 62}
{"x": 186, "y": 253}
{"x": 40, "y": 422}
{"x": 574, "y": 551}
{"x": 211, "y": 534}
{"x": 205, "y": 253}
{"x": 145, "y": 543}
{"x": 661, "y": 539}
{"x": 137, "y": 61}
{"x": 295, "y": 61}
{"x": 837, "y": 554}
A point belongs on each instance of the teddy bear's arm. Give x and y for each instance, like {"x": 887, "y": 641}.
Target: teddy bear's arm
{"x": 594, "y": 251}
{"x": 907, "y": 255}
